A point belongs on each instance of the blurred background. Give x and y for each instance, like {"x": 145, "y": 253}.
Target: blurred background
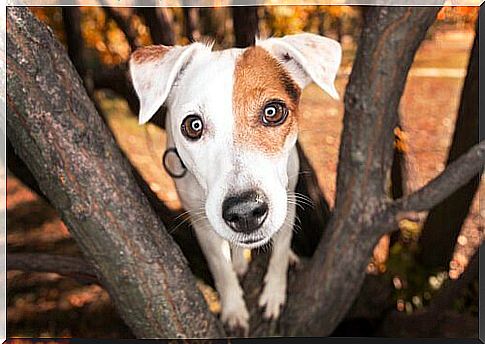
{"x": 99, "y": 41}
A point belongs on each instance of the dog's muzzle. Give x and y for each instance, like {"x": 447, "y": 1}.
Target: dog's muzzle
{"x": 245, "y": 212}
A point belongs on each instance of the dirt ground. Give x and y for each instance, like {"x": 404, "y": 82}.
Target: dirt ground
{"x": 49, "y": 305}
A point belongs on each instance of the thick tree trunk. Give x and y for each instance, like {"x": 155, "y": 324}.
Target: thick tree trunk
{"x": 375, "y": 87}
{"x": 245, "y": 23}
{"x": 55, "y": 129}
{"x": 443, "y": 225}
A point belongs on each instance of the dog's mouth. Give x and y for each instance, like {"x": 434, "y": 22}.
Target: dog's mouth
{"x": 252, "y": 242}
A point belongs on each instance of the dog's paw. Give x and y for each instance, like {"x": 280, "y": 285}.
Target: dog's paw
{"x": 236, "y": 318}
{"x": 273, "y": 298}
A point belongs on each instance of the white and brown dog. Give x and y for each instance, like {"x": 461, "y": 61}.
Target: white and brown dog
{"x": 232, "y": 116}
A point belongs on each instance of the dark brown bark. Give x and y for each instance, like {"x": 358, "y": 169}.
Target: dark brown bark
{"x": 20, "y": 170}
{"x": 339, "y": 28}
{"x": 311, "y": 220}
{"x": 160, "y": 29}
{"x": 73, "y": 267}
{"x": 116, "y": 79}
{"x": 245, "y": 23}
{"x": 338, "y": 266}
{"x": 321, "y": 21}
{"x": 55, "y": 129}
{"x": 190, "y": 23}
{"x": 443, "y": 225}
{"x": 71, "y": 17}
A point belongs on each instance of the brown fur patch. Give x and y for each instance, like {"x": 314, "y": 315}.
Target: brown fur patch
{"x": 149, "y": 53}
{"x": 259, "y": 78}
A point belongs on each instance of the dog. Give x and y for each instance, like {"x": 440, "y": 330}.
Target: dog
{"x": 232, "y": 124}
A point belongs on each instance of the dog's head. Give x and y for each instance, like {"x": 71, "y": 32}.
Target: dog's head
{"x": 233, "y": 117}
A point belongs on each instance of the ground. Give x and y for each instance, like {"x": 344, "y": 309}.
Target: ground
{"x": 46, "y": 304}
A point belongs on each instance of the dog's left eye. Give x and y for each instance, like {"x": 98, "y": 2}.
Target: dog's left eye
{"x": 192, "y": 127}
{"x": 274, "y": 113}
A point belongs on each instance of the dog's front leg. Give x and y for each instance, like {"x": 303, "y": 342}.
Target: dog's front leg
{"x": 217, "y": 252}
{"x": 239, "y": 261}
{"x": 273, "y": 296}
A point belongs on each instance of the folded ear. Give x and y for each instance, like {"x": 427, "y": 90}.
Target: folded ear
{"x": 153, "y": 71}
{"x": 307, "y": 57}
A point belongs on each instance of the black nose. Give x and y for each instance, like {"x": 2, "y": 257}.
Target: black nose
{"x": 245, "y": 212}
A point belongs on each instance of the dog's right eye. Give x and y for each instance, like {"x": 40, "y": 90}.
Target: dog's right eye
{"x": 192, "y": 127}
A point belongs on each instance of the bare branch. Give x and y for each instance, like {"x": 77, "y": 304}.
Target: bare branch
{"x": 245, "y": 23}
{"x": 159, "y": 25}
{"x": 453, "y": 177}
{"x": 74, "y": 267}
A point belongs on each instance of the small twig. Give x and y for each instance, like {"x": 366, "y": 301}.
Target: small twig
{"x": 453, "y": 177}
{"x": 74, "y": 267}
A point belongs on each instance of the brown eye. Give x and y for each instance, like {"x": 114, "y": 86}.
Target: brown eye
{"x": 192, "y": 127}
{"x": 274, "y": 113}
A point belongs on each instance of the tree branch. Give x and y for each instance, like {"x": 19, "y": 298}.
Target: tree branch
{"x": 452, "y": 178}
{"x": 74, "y": 267}
{"x": 124, "y": 26}
{"x": 245, "y": 24}
{"x": 158, "y": 23}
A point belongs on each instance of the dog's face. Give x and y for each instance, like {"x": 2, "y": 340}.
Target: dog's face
{"x": 233, "y": 117}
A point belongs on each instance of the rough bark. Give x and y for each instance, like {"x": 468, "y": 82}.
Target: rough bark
{"x": 55, "y": 129}
{"x": 245, "y": 23}
{"x": 443, "y": 225}
{"x": 390, "y": 34}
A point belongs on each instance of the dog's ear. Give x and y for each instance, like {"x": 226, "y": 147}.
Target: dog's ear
{"x": 307, "y": 57}
{"x": 153, "y": 71}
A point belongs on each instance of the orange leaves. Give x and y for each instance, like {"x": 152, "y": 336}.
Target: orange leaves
{"x": 464, "y": 15}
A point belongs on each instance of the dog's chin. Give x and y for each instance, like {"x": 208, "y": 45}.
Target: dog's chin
{"x": 252, "y": 243}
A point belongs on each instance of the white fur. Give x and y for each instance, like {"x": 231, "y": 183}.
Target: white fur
{"x": 205, "y": 87}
